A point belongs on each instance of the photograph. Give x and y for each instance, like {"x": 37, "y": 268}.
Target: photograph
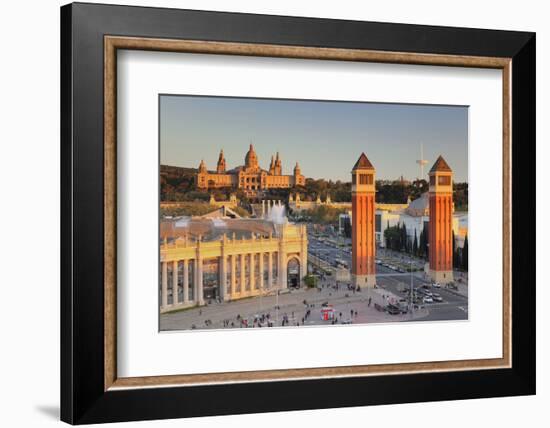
{"x": 305, "y": 213}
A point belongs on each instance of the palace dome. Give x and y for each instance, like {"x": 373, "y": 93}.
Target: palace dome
{"x": 251, "y": 159}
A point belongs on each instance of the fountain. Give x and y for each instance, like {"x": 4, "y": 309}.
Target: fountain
{"x": 277, "y": 214}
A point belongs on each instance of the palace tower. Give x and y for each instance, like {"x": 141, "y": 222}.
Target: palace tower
{"x": 220, "y": 168}
{"x": 441, "y": 222}
{"x": 363, "y": 232}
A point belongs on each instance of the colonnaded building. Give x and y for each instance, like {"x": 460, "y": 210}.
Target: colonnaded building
{"x": 249, "y": 177}
{"x": 222, "y": 259}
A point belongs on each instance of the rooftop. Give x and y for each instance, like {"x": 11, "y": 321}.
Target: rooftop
{"x": 212, "y": 229}
{"x": 363, "y": 163}
{"x": 440, "y": 165}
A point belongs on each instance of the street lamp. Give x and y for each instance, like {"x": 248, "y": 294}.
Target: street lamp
{"x": 412, "y": 304}
{"x": 277, "y": 306}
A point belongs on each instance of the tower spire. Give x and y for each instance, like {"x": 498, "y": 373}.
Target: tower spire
{"x": 220, "y": 168}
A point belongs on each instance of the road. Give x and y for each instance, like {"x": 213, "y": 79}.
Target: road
{"x": 453, "y": 307}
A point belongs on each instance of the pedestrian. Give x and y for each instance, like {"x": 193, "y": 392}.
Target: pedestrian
{"x": 370, "y": 299}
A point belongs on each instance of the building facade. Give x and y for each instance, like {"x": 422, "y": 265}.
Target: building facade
{"x": 363, "y": 249}
{"x": 441, "y": 222}
{"x": 259, "y": 259}
{"x": 249, "y": 177}
{"x": 414, "y": 223}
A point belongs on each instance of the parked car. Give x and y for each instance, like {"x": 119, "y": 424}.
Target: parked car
{"x": 436, "y": 285}
{"x": 393, "y": 310}
{"x": 437, "y": 297}
{"x": 428, "y": 299}
{"x": 403, "y": 305}
{"x": 425, "y": 292}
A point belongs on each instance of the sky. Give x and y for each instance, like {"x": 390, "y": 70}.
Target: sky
{"x": 325, "y": 137}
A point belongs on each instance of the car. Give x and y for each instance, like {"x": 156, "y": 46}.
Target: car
{"x": 437, "y": 297}
{"x": 436, "y": 285}
{"x": 426, "y": 286}
{"x": 428, "y": 299}
{"x": 403, "y": 305}
{"x": 393, "y": 310}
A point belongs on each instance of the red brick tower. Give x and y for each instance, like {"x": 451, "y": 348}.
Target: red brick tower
{"x": 441, "y": 222}
{"x": 363, "y": 249}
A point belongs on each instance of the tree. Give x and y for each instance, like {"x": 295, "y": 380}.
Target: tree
{"x": 424, "y": 243}
{"x": 310, "y": 281}
{"x": 455, "y": 252}
{"x": 393, "y": 237}
{"x": 465, "y": 254}
{"x": 404, "y": 239}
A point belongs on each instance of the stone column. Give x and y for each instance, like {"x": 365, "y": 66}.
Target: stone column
{"x": 282, "y": 269}
{"x": 223, "y": 279}
{"x": 261, "y": 256}
{"x": 251, "y": 271}
{"x": 175, "y": 297}
{"x": 164, "y": 285}
{"x": 270, "y": 272}
{"x": 198, "y": 287}
{"x": 303, "y": 261}
{"x": 185, "y": 281}
{"x": 263, "y": 208}
{"x": 243, "y": 282}
{"x": 233, "y": 274}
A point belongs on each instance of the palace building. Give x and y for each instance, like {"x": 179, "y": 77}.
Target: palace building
{"x": 221, "y": 259}
{"x": 249, "y": 177}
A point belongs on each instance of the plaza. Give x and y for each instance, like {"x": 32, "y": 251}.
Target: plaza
{"x": 289, "y": 304}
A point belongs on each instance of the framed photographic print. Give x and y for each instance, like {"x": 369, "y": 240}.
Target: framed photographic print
{"x": 263, "y": 207}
